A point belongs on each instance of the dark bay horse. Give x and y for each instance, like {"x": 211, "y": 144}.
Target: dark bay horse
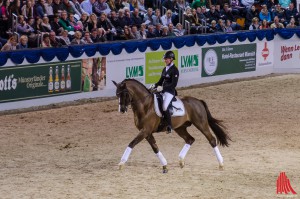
{"x": 132, "y": 92}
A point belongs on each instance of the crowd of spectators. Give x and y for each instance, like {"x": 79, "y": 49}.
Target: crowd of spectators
{"x": 55, "y": 23}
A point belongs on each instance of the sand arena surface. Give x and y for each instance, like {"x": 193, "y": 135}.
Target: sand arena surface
{"x": 73, "y": 152}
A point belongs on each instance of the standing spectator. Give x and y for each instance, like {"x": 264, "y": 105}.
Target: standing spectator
{"x": 23, "y": 42}
{"x": 54, "y": 41}
{"x": 77, "y": 38}
{"x": 46, "y": 41}
{"x": 28, "y": 10}
{"x": 64, "y": 22}
{"x": 87, "y": 38}
{"x": 56, "y": 26}
{"x": 87, "y": 6}
{"x": 57, "y": 6}
{"x": 100, "y": 6}
{"x": 136, "y": 19}
{"x": 10, "y": 44}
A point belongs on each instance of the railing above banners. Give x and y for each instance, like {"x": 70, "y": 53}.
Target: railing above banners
{"x": 48, "y": 54}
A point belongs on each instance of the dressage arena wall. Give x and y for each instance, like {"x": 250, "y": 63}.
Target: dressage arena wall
{"x": 27, "y": 85}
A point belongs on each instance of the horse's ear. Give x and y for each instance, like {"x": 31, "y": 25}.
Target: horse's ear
{"x": 115, "y": 83}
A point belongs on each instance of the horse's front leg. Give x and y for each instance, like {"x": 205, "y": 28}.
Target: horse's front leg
{"x": 151, "y": 140}
{"x": 143, "y": 134}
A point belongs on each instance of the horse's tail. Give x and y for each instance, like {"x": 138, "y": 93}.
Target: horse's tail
{"x": 217, "y": 127}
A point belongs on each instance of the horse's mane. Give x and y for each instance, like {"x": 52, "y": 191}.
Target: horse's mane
{"x": 138, "y": 82}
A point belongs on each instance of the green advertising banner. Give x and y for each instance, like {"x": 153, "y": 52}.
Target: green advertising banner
{"x": 155, "y": 64}
{"x": 42, "y": 80}
{"x": 224, "y": 60}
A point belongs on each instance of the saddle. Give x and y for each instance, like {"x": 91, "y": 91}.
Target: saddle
{"x": 176, "y": 107}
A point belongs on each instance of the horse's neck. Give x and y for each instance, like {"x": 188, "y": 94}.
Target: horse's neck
{"x": 140, "y": 99}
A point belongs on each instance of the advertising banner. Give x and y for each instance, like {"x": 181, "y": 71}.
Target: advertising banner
{"x": 42, "y": 80}
{"x": 228, "y": 59}
{"x": 265, "y": 54}
{"x": 189, "y": 63}
{"x": 287, "y": 53}
{"x": 155, "y": 64}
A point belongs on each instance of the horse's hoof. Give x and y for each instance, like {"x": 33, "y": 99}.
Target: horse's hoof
{"x": 221, "y": 167}
{"x": 121, "y": 166}
{"x": 181, "y": 163}
{"x": 165, "y": 169}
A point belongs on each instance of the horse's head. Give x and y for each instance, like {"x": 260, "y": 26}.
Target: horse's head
{"x": 123, "y": 94}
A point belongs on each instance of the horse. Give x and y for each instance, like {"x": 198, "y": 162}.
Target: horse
{"x": 132, "y": 92}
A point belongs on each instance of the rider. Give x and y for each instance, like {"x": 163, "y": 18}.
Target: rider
{"x": 167, "y": 84}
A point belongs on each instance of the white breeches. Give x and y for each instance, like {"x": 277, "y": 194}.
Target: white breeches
{"x": 167, "y": 97}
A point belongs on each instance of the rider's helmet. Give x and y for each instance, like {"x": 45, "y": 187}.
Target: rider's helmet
{"x": 169, "y": 54}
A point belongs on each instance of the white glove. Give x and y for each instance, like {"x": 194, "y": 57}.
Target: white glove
{"x": 152, "y": 86}
{"x": 159, "y": 88}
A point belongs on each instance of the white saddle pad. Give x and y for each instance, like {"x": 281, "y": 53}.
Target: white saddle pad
{"x": 178, "y": 108}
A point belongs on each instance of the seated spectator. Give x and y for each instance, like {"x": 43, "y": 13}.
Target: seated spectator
{"x": 114, "y": 19}
{"x": 213, "y": 27}
{"x": 136, "y": 34}
{"x": 112, "y": 5}
{"x": 280, "y": 13}
{"x": 23, "y": 28}
{"x": 141, "y": 6}
{"x": 157, "y": 17}
{"x": 167, "y": 18}
{"x": 65, "y": 23}
{"x": 276, "y": 23}
{"x": 212, "y": 14}
{"x": 143, "y": 31}
{"x": 171, "y": 30}
{"x": 46, "y": 27}
{"x": 179, "y": 31}
{"x": 87, "y": 6}
{"x": 181, "y": 5}
{"x": 77, "y": 9}
{"x": 264, "y": 25}
{"x": 101, "y": 35}
{"x": 148, "y": 20}
{"x": 292, "y": 23}
{"x": 119, "y": 4}
{"x": 226, "y": 13}
{"x": 198, "y": 3}
{"x": 127, "y": 17}
{"x": 247, "y": 3}
{"x": 37, "y": 26}
{"x": 11, "y": 44}
{"x": 150, "y": 33}
{"x": 92, "y": 22}
{"x": 49, "y": 9}
{"x": 76, "y": 24}
{"x": 255, "y": 24}
{"x": 46, "y": 41}
{"x": 100, "y": 6}
{"x": 291, "y": 12}
{"x": 251, "y": 13}
{"x": 165, "y": 31}
{"x": 135, "y": 18}
{"x": 127, "y": 34}
{"x": 40, "y": 9}
{"x": 126, "y": 4}
{"x": 77, "y": 38}
{"x": 67, "y": 6}
{"x": 158, "y": 30}
{"x": 57, "y": 6}
{"x": 56, "y": 26}
{"x": 23, "y": 42}
{"x": 28, "y": 10}
{"x": 133, "y": 5}
{"x": 122, "y": 22}
{"x": 15, "y": 7}
{"x": 54, "y": 41}
{"x": 84, "y": 21}
{"x": 107, "y": 26}
{"x": 221, "y": 26}
{"x": 87, "y": 38}
{"x": 284, "y": 3}
{"x": 94, "y": 36}
{"x": 264, "y": 14}
{"x": 237, "y": 9}
{"x": 64, "y": 38}
{"x": 228, "y": 26}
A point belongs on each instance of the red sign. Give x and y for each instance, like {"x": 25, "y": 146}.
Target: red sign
{"x": 284, "y": 185}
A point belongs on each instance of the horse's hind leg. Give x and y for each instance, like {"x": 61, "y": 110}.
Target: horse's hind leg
{"x": 151, "y": 140}
{"x": 189, "y": 140}
{"x": 204, "y": 128}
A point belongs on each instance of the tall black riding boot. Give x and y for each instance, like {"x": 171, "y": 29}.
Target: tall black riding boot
{"x": 168, "y": 120}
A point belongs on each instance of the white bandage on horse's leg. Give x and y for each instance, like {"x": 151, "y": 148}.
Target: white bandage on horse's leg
{"x": 161, "y": 158}
{"x": 184, "y": 151}
{"x": 218, "y": 154}
{"x": 119, "y": 106}
{"x": 126, "y": 155}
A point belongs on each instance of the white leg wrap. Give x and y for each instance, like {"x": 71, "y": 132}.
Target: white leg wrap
{"x": 161, "y": 158}
{"x": 126, "y": 155}
{"x": 184, "y": 151}
{"x": 218, "y": 154}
